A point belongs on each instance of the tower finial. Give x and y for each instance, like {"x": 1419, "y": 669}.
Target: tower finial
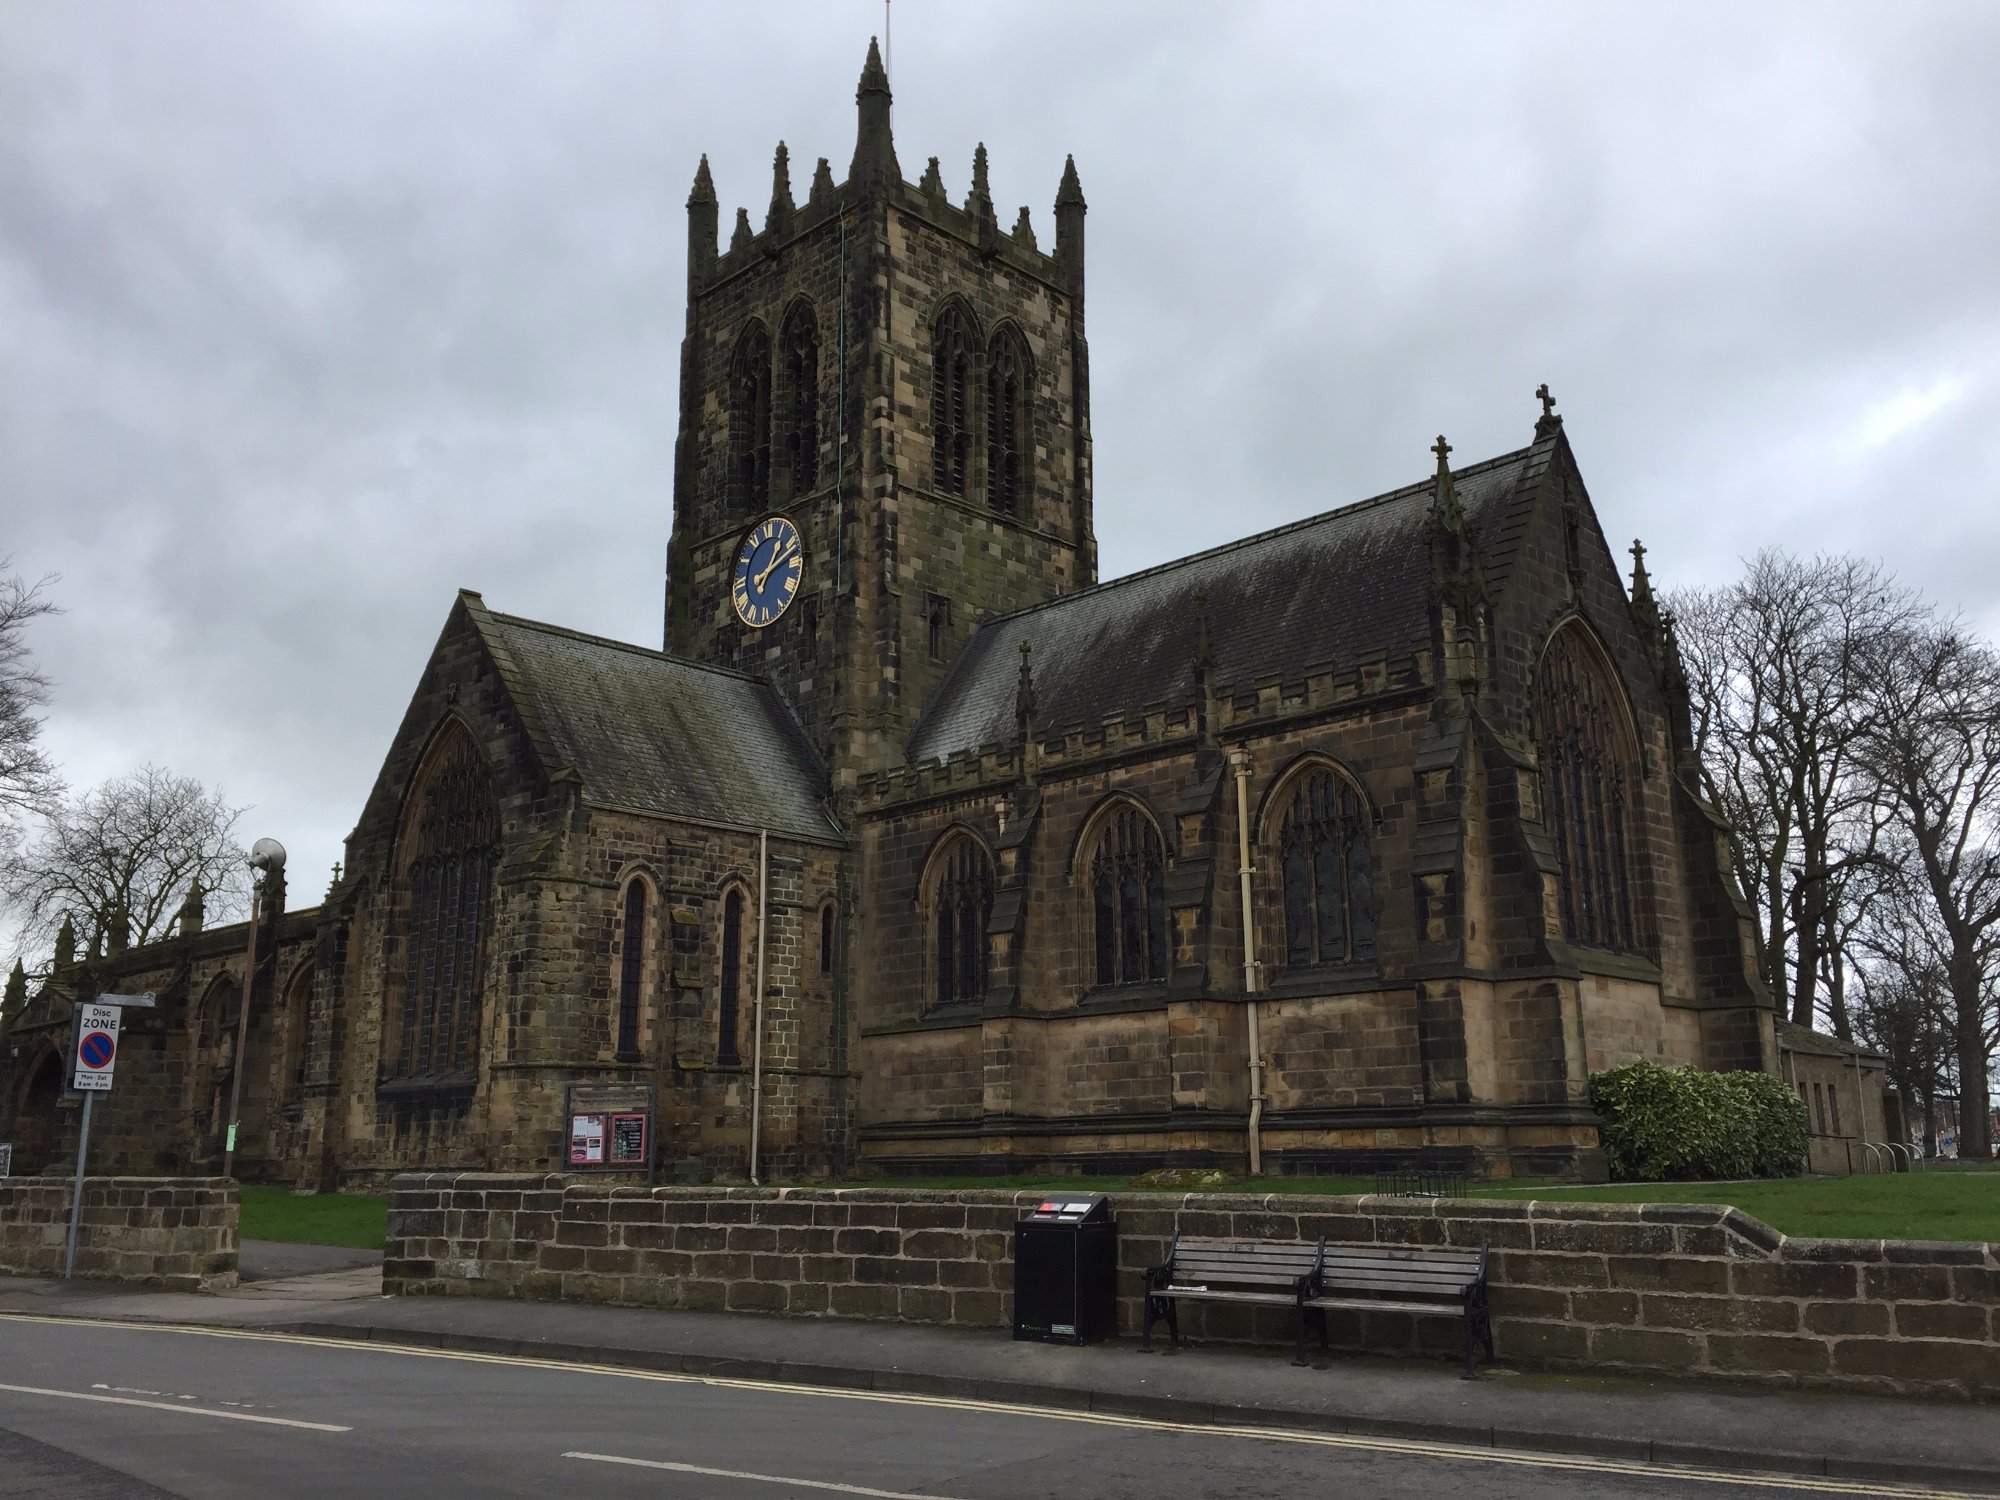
{"x": 778, "y": 218}
{"x": 1070, "y": 209}
{"x": 1071, "y": 191}
{"x": 742, "y": 236}
{"x": 704, "y": 185}
{"x": 874, "y": 148}
{"x": 1645, "y": 607}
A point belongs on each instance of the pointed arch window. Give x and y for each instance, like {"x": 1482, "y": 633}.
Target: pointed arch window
{"x": 799, "y": 356}
{"x": 298, "y": 1018}
{"x": 951, "y": 402}
{"x": 750, "y": 420}
{"x": 729, "y": 1002}
{"x": 451, "y": 841}
{"x": 631, "y": 970}
{"x": 1588, "y": 775}
{"x": 961, "y": 906}
{"x": 1128, "y": 900}
{"x": 1329, "y": 873}
{"x": 1007, "y": 441}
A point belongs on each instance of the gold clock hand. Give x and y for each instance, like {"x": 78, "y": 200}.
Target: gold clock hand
{"x": 772, "y": 566}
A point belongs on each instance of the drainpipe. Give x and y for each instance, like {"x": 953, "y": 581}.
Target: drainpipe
{"x": 757, "y": 1045}
{"x": 1239, "y": 762}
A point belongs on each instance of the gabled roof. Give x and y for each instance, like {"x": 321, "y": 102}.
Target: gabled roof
{"x": 1322, "y": 592}
{"x": 1797, "y": 1038}
{"x": 653, "y": 733}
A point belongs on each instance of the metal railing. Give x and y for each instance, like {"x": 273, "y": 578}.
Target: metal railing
{"x": 1420, "y": 1184}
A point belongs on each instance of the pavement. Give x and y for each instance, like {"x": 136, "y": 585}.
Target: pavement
{"x": 1712, "y": 1425}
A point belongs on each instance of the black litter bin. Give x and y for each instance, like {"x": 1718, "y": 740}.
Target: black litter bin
{"x": 1066, "y": 1270}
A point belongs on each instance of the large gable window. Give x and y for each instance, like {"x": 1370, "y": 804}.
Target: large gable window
{"x": 1329, "y": 873}
{"x": 961, "y": 904}
{"x": 451, "y": 837}
{"x": 1128, "y": 898}
{"x": 1588, "y": 775}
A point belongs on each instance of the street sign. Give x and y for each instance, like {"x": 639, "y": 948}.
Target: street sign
{"x": 96, "y": 1046}
{"x": 145, "y": 999}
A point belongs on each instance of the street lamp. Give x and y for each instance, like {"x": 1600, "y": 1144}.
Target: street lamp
{"x": 267, "y": 856}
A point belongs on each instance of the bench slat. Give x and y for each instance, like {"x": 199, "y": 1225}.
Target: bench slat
{"x": 1362, "y": 1304}
{"x": 1412, "y": 1262}
{"x": 1387, "y": 1278}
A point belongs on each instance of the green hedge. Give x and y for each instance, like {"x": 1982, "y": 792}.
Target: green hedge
{"x": 1683, "y": 1124}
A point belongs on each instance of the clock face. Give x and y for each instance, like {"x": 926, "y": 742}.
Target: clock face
{"x": 769, "y": 565}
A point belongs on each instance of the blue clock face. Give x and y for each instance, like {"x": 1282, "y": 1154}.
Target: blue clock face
{"x": 769, "y": 565}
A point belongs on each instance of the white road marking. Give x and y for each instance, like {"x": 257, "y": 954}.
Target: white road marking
{"x": 173, "y": 1406}
{"x": 803, "y": 1484}
{"x": 1401, "y": 1447}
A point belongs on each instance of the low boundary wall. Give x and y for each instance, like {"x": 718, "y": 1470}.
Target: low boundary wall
{"x": 1683, "y": 1289}
{"x": 175, "y": 1233}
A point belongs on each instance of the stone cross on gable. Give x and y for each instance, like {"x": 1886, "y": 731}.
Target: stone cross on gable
{"x": 1548, "y": 401}
{"x": 1441, "y": 447}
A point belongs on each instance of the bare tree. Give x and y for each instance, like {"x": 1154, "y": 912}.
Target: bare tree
{"x": 1775, "y": 670}
{"x": 121, "y": 859}
{"x": 1903, "y": 1008}
{"x": 1934, "y": 747}
{"x": 28, "y": 781}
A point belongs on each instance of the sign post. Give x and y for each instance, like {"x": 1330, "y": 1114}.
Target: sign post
{"x": 93, "y": 1058}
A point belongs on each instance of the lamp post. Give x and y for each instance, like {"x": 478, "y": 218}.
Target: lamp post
{"x": 268, "y": 857}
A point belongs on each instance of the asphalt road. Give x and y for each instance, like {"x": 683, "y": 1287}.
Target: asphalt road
{"x": 119, "y": 1412}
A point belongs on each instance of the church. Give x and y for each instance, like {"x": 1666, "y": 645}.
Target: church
{"x": 916, "y": 849}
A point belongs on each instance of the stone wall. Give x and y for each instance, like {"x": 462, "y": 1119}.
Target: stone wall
{"x": 175, "y": 1233}
{"x": 1681, "y": 1289}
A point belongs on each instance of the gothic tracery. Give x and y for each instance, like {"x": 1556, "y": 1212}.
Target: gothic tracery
{"x": 1587, "y": 777}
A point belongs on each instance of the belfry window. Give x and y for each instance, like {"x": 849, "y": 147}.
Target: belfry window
{"x": 1007, "y": 444}
{"x": 729, "y": 1001}
{"x": 1128, "y": 897}
{"x": 799, "y": 351}
{"x": 450, "y": 840}
{"x": 1587, "y": 776}
{"x": 1329, "y": 873}
{"x": 631, "y": 971}
{"x": 961, "y": 905}
{"x": 750, "y": 421}
{"x": 951, "y": 402}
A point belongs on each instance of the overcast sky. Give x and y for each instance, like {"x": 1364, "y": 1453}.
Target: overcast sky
{"x": 312, "y": 313}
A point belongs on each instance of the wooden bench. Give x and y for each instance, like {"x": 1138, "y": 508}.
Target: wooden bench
{"x": 1313, "y": 1277}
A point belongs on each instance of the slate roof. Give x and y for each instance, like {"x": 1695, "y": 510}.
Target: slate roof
{"x": 1326, "y": 591}
{"x": 656, "y": 734}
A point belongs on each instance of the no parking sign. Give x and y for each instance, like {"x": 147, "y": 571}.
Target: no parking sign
{"x": 96, "y": 1046}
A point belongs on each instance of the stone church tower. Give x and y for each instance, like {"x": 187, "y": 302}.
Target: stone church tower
{"x": 909, "y": 385}
{"x": 1362, "y": 842}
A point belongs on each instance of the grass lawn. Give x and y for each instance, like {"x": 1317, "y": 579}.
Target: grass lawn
{"x": 1939, "y": 1203}
{"x": 358, "y": 1220}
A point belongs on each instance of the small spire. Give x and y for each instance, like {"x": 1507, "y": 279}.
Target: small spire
{"x": 778, "y": 217}
{"x": 1070, "y": 194}
{"x": 194, "y": 910}
{"x": 1642, "y": 583}
{"x": 980, "y": 199}
{"x": 874, "y": 145}
{"x": 1548, "y": 423}
{"x": 742, "y": 237}
{"x": 822, "y": 186}
{"x": 17, "y": 992}
{"x": 1024, "y": 232}
{"x": 704, "y": 185}
{"x": 334, "y": 884}
{"x": 1645, "y": 608}
{"x": 933, "y": 184}
{"x": 1444, "y": 494}
{"x": 1204, "y": 650}
{"x": 1204, "y": 667}
{"x": 65, "y": 943}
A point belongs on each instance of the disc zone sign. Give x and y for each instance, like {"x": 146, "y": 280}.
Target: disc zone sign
{"x": 96, "y": 1046}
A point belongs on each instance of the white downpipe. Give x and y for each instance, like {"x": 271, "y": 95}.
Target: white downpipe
{"x": 757, "y": 1042}
{"x": 1239, "y": 761}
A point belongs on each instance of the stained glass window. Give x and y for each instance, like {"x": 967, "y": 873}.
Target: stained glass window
{"x": 631, "y": 971}
{"x": 961, "y": 906}
{"x": 1007, "y": 423}
{"x": 1128, "y": 893}
{"x": 951, "y": 402}
{"x": 1329, "y": 873}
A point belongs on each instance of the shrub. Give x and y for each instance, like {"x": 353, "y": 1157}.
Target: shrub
{"x": 1682, "y": 1124}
